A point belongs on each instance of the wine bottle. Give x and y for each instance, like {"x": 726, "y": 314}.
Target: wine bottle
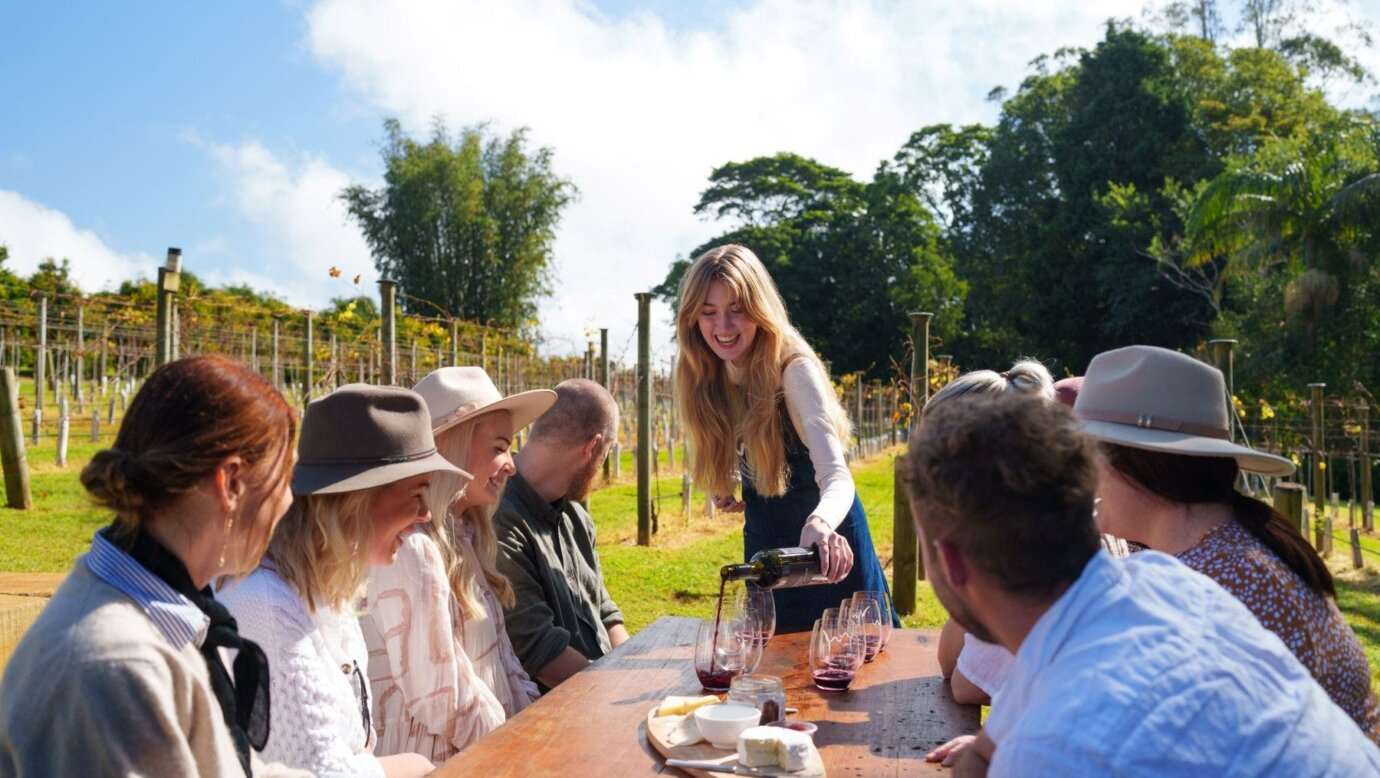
{"x": 779, "y": 568}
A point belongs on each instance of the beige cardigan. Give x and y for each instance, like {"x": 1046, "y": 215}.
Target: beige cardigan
{"x": 95, "y": 689}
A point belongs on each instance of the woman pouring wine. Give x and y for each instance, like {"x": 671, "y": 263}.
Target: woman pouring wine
{"x": 757, "y": 404}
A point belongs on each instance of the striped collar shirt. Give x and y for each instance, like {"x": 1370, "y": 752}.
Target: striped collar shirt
{"x": 178, "y": 618}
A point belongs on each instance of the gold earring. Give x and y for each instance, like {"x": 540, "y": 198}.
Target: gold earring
{"x": 225, "y": 543}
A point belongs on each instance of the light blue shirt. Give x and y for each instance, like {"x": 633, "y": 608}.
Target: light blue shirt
{"x": 1145, "y": 667}
{"x": 178, "y": 618}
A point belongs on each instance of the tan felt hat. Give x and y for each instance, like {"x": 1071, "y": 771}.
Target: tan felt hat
{"x": 361, "y": 436}
{"x": 454, "y": 394}
{"x": 1160, "y": 400}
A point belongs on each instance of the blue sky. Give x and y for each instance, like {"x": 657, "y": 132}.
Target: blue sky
{"x": 225, "y": 129}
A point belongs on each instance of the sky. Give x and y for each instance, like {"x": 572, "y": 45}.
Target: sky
{"x": 228, "y": 129}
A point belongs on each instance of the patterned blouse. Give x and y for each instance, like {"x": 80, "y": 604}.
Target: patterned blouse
{"x": 1308, "y": 622}
{"x": 441, "y": 680}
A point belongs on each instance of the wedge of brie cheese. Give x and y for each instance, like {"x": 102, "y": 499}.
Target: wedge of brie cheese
{"x": 679, "y": 706}
{"x": 774, "y": 747}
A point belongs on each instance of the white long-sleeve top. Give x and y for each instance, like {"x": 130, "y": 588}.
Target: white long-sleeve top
{"x": 317, "y": 719}
{"x": 442, "y": 681}
{"x": 806, "y": 388}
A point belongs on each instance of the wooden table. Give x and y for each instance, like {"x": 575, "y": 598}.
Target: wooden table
{"x": 593, "y": 724}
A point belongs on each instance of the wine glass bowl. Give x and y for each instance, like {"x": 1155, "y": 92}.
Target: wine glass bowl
{"x": 882, "y": 602}
{"x": 722, "y": 652}
{"x": 755, "y": 608}
{"x": 872, "y": 622}
{"x": 837, "y": 650}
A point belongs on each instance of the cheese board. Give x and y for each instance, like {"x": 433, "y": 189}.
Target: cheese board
{"x": 674, "y": 737}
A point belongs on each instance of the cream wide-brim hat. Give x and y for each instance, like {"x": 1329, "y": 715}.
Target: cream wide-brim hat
{"x": 456, "y": 394}
{"x": 1160, "y": 400}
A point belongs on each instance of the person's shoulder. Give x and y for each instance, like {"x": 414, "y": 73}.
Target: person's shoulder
{"x": 263, "y": 603}
{"x": 802, "y": 370}
{"x": 89, "y": 619}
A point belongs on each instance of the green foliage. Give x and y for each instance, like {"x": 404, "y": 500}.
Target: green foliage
{"x": 849, "y": 258}
{"x": 464, "y": 224}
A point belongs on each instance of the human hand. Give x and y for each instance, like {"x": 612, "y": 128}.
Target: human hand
{"x": 835, "y": 555}
{"x": 947, "y": 753}
{"x": 970, "y": 764}
{"x": 728, "y": 504}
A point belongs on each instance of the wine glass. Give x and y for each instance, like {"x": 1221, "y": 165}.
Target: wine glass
{"x": 873, "y": 624}
{"x": 836, "y": 652}
{"x": 722, "y": 652}
{"x": 756, "y": 608}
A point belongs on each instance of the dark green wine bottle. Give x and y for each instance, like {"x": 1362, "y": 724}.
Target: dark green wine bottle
{"x": 778, "y": 568}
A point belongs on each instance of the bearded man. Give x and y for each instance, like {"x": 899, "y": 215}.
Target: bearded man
{"x": 563, "y": 617}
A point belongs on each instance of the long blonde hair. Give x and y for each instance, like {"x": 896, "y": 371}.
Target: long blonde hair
{"x": 718, "y": 413}
{"x": 446, "y": 490}
{"x": 321, "y": 547}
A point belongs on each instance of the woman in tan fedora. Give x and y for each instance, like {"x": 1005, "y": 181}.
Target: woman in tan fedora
{"x": 442, "y": 667}
{"x": 1169, "y": 481}
{"x": 366, "y": 459}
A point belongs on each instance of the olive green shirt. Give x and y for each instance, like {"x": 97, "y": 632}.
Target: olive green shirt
{"x": 547, "y": 552}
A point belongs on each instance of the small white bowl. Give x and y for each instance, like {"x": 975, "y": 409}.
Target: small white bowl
{"x": 723, "y": 722}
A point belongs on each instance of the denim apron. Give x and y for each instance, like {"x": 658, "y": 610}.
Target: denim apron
{"x": 776, "y": 522}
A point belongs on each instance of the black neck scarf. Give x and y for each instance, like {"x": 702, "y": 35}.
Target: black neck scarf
{"x": 243, "y": 699}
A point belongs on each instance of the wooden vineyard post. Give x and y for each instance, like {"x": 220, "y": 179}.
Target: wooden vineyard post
{"x": 1318, "y": 459}
{"x": 644, "y": 418}
{"x": 80, "y": 361}
{"x": 919, "y": 363}
{"x": 308, "y": 360}
{"x": 1222, "y": 359}
{"x": 454, "y": 343}
{"x": 388, "y": 333}
{"x": 273, "y": 355}
{"x": 95, "y": 425}
{"x": 12, "y": 456}
{"x": 169, "y": 281}
{"x": 906, "y": 565}
{"x": 1289, "y": 499}
{"x": 41, "y": 357}
{"x": 1367, "y": 496}
{"x": 64, "y": 430}
{"x": 1356, "y": 560}
{"x": 604, "y": 382}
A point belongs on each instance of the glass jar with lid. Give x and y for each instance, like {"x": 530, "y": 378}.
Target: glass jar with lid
{"x": 764, "y": 692}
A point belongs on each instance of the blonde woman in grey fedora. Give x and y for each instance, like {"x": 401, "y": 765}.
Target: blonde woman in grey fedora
{"x": 1169, "y": 481}
{"x": 366, "y": 459}
{"x": 442, "y": 666}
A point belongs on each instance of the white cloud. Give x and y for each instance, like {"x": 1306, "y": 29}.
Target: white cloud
{"x": 639, "y": 113}
{"x": 300, "y": 229}
{"x": 34, "y": 232}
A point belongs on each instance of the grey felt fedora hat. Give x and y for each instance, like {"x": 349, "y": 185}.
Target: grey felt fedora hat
{"x": 361, "y": 436}
{"x": 455, "y": 394}
{"x": 1160, "y": 400}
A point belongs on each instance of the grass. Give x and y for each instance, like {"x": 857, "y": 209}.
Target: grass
{"x": 675, "y": 576}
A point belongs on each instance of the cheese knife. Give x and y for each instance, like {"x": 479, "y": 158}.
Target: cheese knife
{"x": 721, "y": 767}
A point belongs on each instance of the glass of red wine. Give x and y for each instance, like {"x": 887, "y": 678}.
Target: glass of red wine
{"x": 755, "y": 607}
{"x": 836, "y": 651}
{"x": 723, "y": 651}
{"x": 874, "y": 620}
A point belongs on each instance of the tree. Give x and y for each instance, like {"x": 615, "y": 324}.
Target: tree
{"x": 1305, "y": 208}
{"x": 849, "y": 258}
{"x": 465, "y": 225}
{"x": 54, "y": 278}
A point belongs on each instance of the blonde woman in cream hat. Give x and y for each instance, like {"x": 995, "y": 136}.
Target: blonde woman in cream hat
{"x": 441, "y": 665}
{"x": 1168, "y": 480}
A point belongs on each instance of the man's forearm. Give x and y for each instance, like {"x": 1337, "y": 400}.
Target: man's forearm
{"x": 566, "y": 664}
